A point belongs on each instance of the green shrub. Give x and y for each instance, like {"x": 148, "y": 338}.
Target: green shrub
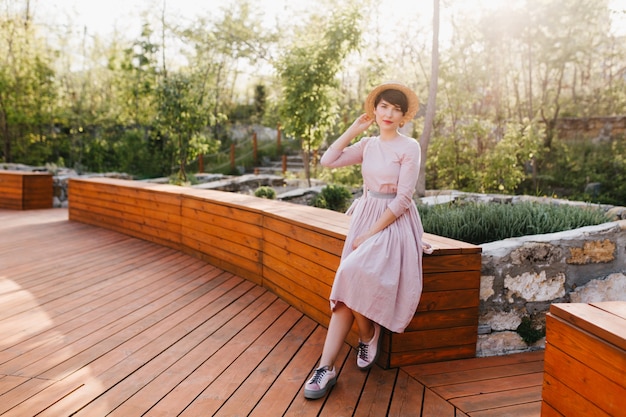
{"x": 528, "y": 332}
{"x": 479, "y": 223}
{"x": 333, "y": 197}
{"x": 265, "y": 192}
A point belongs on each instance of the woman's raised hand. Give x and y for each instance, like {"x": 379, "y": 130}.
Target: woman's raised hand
{"x": 361, "y": 124}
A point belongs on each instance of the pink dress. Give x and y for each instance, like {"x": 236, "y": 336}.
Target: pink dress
{"x": 382, "y": 278}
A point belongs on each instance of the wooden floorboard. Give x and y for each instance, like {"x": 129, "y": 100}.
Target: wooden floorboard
{"x": 97, "y": 323}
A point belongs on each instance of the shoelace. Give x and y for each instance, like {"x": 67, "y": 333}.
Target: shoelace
{"x": 318, "y": 375}
{"x": 363, "y": 351}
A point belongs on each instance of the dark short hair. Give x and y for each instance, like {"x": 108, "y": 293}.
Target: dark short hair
{"x": 394, "y": 97}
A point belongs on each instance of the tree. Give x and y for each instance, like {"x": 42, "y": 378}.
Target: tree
{"x": 308, "y": 72}
{"x": 432, "y": 99}
{"x": 219, "y": 49}
{"x": 182, "y": 118}
{"x": 28, "y": 91}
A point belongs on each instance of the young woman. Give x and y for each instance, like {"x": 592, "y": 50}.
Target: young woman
{"x": 379, "y": 279}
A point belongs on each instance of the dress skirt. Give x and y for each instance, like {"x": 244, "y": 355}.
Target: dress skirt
{"x": 382, "y": 278}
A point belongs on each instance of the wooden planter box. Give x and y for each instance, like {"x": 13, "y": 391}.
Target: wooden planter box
{"x": 24, "y": 190}
{"x": 293, "y": 251}
{"x": 585, "y": 360}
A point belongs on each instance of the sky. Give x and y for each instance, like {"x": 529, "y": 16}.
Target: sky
{"x": 102, "y": 16}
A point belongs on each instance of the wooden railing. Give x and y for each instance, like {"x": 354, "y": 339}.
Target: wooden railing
{"x": 292, "y": 250}
{"x": 25, "y": 190}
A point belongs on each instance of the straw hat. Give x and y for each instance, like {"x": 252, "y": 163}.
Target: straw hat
{"x": 414, "y": 103}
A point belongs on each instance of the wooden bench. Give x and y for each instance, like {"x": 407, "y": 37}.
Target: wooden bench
{"x": 25, "y": 190}
{"x": 291, "y": 249}
{"x": 585, "y": 360}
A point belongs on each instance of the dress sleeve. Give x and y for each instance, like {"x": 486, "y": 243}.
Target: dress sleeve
{"x": 409, "y": 171}
{"x": 353, "y": 154}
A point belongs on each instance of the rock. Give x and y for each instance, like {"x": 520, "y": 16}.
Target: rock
{"x": 533, "y": 286}
{"x": 611, "y": 288}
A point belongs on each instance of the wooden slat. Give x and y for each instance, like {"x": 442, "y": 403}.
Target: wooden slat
{"x": 379, "y": 385}
{"x": 418, "y": 371}
{"x": 498, "y": 400}
{"x": 548, "y": 411}
{"x": 292, "y": 255}
{"x": 429, "y": 320}
{"x": 488, "y": 386}
{"x": 497, "y": 386}
{"x": 25, "y": 190}
{"x": 595, "y": 387}
{"x": 434, "y": 405}
{"x": 327, "y": 257}
{"x": 593, "y": 320}
{"x": 449, "y": 281}
{"x": 344, "y": 396}
{"x": 223, "y": 387}
{"x": 521, "y": 410}
{"x": 448, "y": 300}
{"x": 586, "y": 348}
{"x": 429, "y": 339}
{"x": 204, "y": 375}
{"x": 617, "y": 308}
{"x": 442, "y": 262}
{"x": 471, "y": 376}
{"x": 250, "y": 390}
{"x": 288, "y": 385}
{"x": 316, "y": 238}
{"x": 408, "y": 397}
{"x": 181, "y": 359}
{"x": 568, "y": 401}
{"x": 299, "y": 406}
{"x": 435, "y": 354}
{"x": 216, "y": 212}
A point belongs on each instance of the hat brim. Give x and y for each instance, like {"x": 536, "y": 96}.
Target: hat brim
{"x": 414, "y": 103}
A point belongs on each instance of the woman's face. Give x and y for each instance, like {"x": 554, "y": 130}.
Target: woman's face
{"x": 388, "y": 116}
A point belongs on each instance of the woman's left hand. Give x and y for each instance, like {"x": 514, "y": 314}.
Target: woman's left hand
{"x": 358, "y": 241}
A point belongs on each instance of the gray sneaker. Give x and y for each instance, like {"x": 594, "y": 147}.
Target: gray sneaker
{"x": 367, "y": 353}
{"x": 321, "y": 381}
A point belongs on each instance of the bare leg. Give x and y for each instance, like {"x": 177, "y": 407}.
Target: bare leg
{"x": 339, "y": 327}
{"x": 366, "y": 327}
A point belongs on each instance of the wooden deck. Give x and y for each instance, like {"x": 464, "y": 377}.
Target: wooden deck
{"x": 97, "y": 323}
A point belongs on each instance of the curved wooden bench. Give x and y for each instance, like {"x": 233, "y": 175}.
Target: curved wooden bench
{"x": 291, "y": 249}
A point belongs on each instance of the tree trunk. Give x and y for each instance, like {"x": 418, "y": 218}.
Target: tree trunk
{"x": 430, "y": 107}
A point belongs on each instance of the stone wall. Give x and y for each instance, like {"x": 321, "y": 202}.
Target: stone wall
{"x": 521, "y": 277}
{"x": 596, "y": 129}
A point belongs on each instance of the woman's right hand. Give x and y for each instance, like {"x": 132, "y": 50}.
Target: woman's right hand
{"x": 361, "y": 124}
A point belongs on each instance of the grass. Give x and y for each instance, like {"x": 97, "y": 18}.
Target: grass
{"x": 479, "y": 223}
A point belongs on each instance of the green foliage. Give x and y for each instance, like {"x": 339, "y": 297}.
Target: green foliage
{"x": 479, "y": 156}
{"x": 506, "y": 76}
{"x": 182, "y": 118}
{"x": 479, "y": 223}
{"x": 505, "y": 163}
{"x": 574, "y": 164}
{"x": 333, "y": 197}
{"x": 529, "y": 332}
{"x": 349, "y": 176}
{"x": 265, "y": 192}
{"x": 139, "y": 153}
{"x": 308, "y": 72}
